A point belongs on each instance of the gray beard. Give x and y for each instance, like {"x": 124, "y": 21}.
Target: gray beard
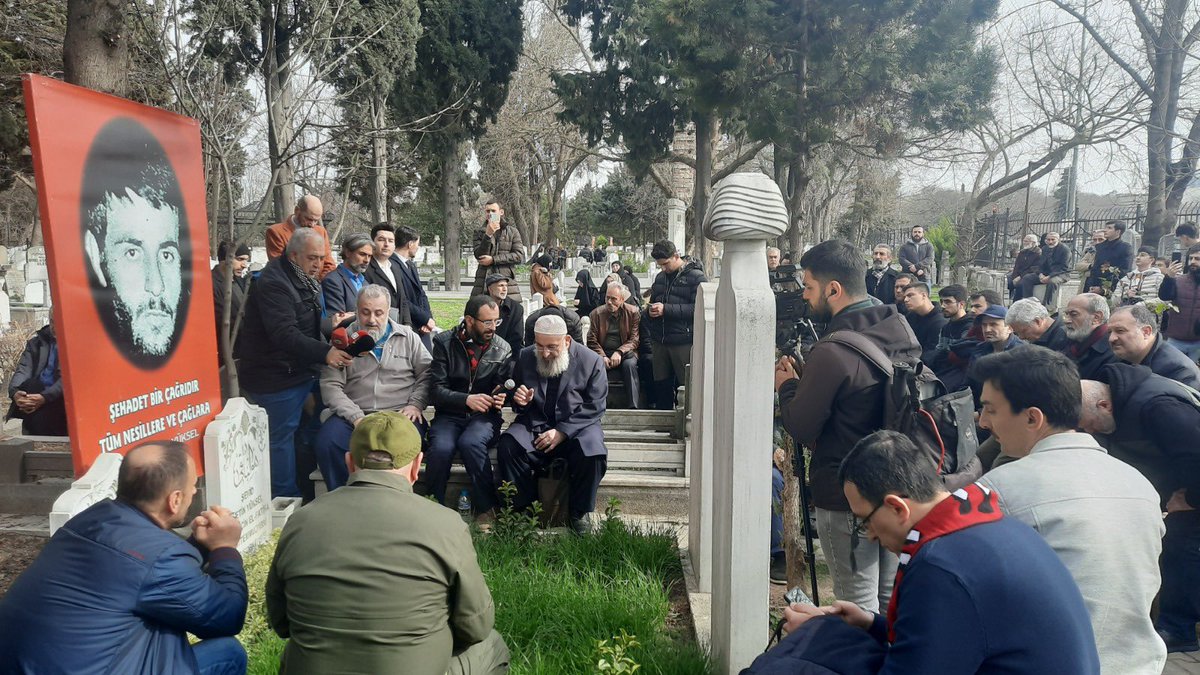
{"x": 554, "y": 368}
{"x": 1077, "y": 334}
{"x": 878, "y": 266}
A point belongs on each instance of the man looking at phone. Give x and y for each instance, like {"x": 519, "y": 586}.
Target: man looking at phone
{"x": 498, "y": 247}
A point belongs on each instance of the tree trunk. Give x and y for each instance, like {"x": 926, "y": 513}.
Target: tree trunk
{"x": 379, "y": 159}
{"x": 702, "y": 187}
{"x": 964, "y": 247}
{"x": 793, "y": 520}
{"x": 96, "y": 46}
{"x": 278, "y": 92}
{"x": 452, "y": 211}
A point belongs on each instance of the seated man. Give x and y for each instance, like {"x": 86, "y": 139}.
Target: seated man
{"x": 116, "y": 591}
{"x": 925, "y": 319}
{"x": 1075, "y": 495}
{"x": 36, "y": 388}
{"x": 614, "y": 336}
{"x": 380, "y": 580}
{"x": 1054, "y": 268}
{"x": 393, "y": 376}
{"x": 512, "y": 314}
{"x": 470, "y": 366}
{"x": 1085, "y": 322}
{"x": 560, "y": 399}
{"x": 1031, "y": 322}
{"x": 975, "y": 592}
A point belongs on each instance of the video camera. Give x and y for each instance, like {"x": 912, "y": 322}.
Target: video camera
{"x": 795, "y": 332}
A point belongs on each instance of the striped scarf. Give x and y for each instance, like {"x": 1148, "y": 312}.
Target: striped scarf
{"x": 313, "y": 285}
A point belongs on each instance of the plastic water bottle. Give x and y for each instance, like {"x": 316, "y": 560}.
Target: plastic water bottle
{"x": 464, "y": 505}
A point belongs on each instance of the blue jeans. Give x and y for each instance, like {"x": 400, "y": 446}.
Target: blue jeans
{"x": 1189, "y": 347}
{"x": 333, "y": 442}
{"x": 283, "y": 419}
{"x": 1179, "y": 599}
{"x": 220, "y": 656}
{"x": 468, "y": 435}
{"x": 776, "y": 511}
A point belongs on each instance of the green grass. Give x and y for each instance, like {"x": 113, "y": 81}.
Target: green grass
{"x": 555, "y": 598}
{"x": 447, "y": 312}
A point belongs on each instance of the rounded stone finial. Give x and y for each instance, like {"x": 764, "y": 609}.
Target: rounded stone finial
{"x": 746, "y": 206}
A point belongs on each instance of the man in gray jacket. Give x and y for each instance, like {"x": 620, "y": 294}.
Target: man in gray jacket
{"x": 1076, "y": 496}
{"x": 916, "y": 256}
{"x": 393, "y": 376}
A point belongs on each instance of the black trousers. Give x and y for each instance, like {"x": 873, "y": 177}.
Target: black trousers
{"x": 522, "y": 468}
{"x": 48, "y": 420}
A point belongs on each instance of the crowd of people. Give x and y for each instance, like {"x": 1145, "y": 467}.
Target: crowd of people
{"x": 1087, "y": 419}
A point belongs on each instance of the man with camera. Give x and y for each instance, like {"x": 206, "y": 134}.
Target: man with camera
{"x": 836, "y": 400}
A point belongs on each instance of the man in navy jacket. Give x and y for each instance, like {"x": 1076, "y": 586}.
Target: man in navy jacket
{"x": 341, "y": 286}
{"x": 115, "y": 591}
{"x": 408, "y": 241}
{"x": 975, "y": 592}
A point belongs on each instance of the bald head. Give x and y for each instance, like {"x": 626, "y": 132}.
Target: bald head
{"x": 309, "y": 211}
{"x": 1096, "y": 415}
{"x": 158, "y": 477}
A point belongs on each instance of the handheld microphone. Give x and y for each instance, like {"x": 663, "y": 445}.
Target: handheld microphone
{"x": 339, "y": 338}
{"x": 360, "y": 343}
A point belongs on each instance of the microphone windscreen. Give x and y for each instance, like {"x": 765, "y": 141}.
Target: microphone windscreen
{"x": 509, "y": 384}
{"x": 363, "y": 343}
{"x": 339, "y": 339}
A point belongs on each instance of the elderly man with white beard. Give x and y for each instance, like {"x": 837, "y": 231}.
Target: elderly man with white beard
{"x": 393, "y": 376}
{"x": 560, "y": 400}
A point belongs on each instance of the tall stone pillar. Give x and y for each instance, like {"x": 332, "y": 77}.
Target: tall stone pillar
{"x": 676, "y": 225}
{"x": 700, "y": 509}
{"x": 747, "y": 209}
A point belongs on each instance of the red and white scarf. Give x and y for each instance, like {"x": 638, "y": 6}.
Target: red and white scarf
{"x": 966, "y": 507}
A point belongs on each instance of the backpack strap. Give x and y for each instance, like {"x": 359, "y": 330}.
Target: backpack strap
{"x": 865, "y": 347}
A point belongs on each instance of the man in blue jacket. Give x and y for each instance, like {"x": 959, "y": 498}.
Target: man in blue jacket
{"x": 116, "y": 591}
{"x": 341, "y": 286}
{"x": 975, "y": 592}
{"x": 408, "y": 241}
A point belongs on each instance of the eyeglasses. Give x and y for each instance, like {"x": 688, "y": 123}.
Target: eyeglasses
{"x": 490, "y": 323}
{"x": 860, "y": 525}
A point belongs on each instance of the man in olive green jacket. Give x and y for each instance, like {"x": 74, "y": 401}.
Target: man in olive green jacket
{"x": 372, "y": 578}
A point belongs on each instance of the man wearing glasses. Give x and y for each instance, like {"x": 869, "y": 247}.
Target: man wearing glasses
{"x": 470, "y": 365}
{"x": 975, "y": 592}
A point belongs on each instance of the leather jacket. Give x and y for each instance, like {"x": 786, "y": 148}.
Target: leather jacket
{"x": 451, "y": 370}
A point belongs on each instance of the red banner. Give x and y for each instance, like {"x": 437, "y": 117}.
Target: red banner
{"x": 121, "y": 194}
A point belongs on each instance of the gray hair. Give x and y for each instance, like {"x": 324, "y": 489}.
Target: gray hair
{"x": 1096, "y": 304}
{"x": 301, "y": 239}
{"x": 772, "y": 249}
{"x": 1025, "y": 311}
{"x": 355, "y": 241}
{"x": 1142, "y": 316}
{"x": 625, "y": 292}
{"x": 374, "y": 291}
{"x": 889, "y": 248}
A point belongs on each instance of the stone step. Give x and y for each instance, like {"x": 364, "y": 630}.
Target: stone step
{"x": 643, "y": 493}
{"x": 48, "y": 464}
{"x": 35, "y": 498}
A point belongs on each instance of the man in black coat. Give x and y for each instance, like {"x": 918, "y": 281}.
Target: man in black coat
{"x": 36, "y": 388}
{"x": 669, "y": 319}
{"x": 512, "y": 314}
{"x": 1032, "y": 323}
{"x": 408, "y": 241}
{"x": 1134, "y": 338}
{"x": 387, "y": 271}
{"x": 239, "y": 261}
{"x": 1151, "y": 423}
{"x": 1114, "y": 259}
{"x": 562, "y": 389}
{"x": 281, "y": 348}
{"x": 1053, "y": 269}
{"x": 881, "y": 277}
{"x": 1085, "y": 321}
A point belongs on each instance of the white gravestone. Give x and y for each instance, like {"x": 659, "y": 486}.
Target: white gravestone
{"x": 35, "y": 293}
{"x": 700, "y": 467}
{"x": 98, "y": 484}
{"x": 746, "y": 211}
{"x": 237, "y": 469}
{"x": 5, "y": 311}
{"x": 676, "y": 211}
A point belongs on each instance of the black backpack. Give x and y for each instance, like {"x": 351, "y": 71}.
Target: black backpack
{"x": 917, "y": 405}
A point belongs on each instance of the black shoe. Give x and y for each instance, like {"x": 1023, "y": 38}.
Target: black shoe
{"x": 581, "y": 526}
{"x": 1178, "y": 644}
{"x": 779, "y": 570}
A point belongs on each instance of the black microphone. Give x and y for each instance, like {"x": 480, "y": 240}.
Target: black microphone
{"x": 360, "y": 343}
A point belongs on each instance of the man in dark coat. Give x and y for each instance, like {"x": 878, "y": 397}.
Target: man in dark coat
{"x": 1114, "y": 259}
{"x": 498, "y": 249}
{"x": 512, "y": 314}
{"x": 386, "y": 270}
{"x": 36, "y": 388}
{"x": 1085, "y": 321}
{"x": 881, "y": 276}
{"x": 408, "y": 241}
{"x": 1027, "y": 264}
{"x": 1151, "y": 423}
{"x": 669, "y": 319}
{"x": 1054, "y": 267}
{"x": 1032, "y": 323}
{"x": 916, "y": 255}
{"x": 560, "y": 400}
{"x": 239, "y": 261}
{"x": 281, "y": 348}
{"x": 115, "y": 590}
{"x": 1134, "y": 338}
{"x": 341, "y": 286}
